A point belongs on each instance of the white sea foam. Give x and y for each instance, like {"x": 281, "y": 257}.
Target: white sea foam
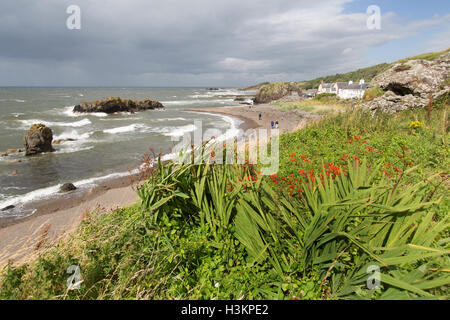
{"x": 73, "y": 134}
{"x": 169, "y": 119}
{"x": 33, "y": 195}
{"x": 81, "y": 123}
{"x": 197, "y": 101}
{"x": 180, "y": 131}
{"x": 67, "y": 148}
{"x": 130, "y": 128}
{"x": 45, "y": 193}
{"x": 13, "y": 100}
{"x": 68, "y": 111}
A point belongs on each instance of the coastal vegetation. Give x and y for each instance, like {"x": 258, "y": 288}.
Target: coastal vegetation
{"x": 373, "y": 93}
{"x": 356, "y": 194}
{"x": 365, "y": 73}
{"x": 324, "y": 103}
{"x": 431, "y": 56}
{"x": 274, "y": 91}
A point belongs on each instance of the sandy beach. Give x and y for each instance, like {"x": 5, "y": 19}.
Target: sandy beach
{"x": 288, "y": 120}
{"x": 21, "y": 240}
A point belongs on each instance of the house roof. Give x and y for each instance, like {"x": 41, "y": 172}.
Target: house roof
{"x": 341, "y": 84}
{"x": 356, "y": 86}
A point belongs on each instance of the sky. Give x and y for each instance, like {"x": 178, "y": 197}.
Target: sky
{"x": 196, "y": 43}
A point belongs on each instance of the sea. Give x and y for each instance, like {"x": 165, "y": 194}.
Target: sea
{"x": 104, "y": 147}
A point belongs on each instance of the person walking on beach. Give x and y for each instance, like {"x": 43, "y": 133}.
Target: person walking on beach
{"x": 276, "y": 124}
{"x": 260, "y": 116}
{"x": 272, "y": 123}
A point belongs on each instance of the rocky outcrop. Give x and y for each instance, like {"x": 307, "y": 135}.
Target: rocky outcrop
{"x": 113, "y": 105}
{"x": 67, "y": 187}
{"x": 411, "y": 84}
{"x": 274, "y": 91}
{"x": 38, "y": 139}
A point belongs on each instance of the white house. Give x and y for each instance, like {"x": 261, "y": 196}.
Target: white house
{"x": 345, "y": 90}
{"x": 353, "y": 90}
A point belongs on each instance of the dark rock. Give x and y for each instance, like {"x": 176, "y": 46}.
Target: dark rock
{"x": 8, "y": 208}
{"x": 67, "y": 187}
{"x": 113, "y": 105}
{"x": 3, "y": 154}
{"x": 38, "y": 139}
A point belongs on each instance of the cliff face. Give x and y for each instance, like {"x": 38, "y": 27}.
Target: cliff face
{"x": 274, "y": 91}
{"x": 411, "y": 84}
{"x": 112, "y": 105}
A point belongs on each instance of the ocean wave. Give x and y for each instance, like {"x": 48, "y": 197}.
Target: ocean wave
{"x": 169, "y": 119}
{"x": 30, "y": 122}
{"x": 179, "y": 131}
{"x": 53, "y": 191}
{"x": 121, "y": 119}
{"x": 130, "y": 128}
{"x": 197, "y": 101}
{"x": 13, "y": 100}
{"x": 73, "y": 134}
{"x": 68, "y": 111}
{"x": 72, "y": 149}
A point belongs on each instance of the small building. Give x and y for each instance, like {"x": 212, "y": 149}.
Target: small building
{"x": 353, "y": 90}
{"x": 345, "y": 90}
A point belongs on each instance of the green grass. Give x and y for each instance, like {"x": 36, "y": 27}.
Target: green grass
{"x": 372, "y": 93}
{"x": 426, "y": 56}
{"x": 224, "y": 232}
{"x": 322, "y": 104}
{"x": 366, "y": 73}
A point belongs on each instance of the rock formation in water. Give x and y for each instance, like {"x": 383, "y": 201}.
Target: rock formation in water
{"x": 113, "y": 105}
{"x": 67, "y": 187}
{"x": 38, "y": 139}
{"x": 411, "y": 84}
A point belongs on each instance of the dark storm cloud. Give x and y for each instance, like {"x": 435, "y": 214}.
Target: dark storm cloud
{"x": 197, "y": 42}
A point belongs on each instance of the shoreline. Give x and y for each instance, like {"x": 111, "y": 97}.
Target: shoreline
{"x": 55, "y": 218}
{"x": 288, "y": 120}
